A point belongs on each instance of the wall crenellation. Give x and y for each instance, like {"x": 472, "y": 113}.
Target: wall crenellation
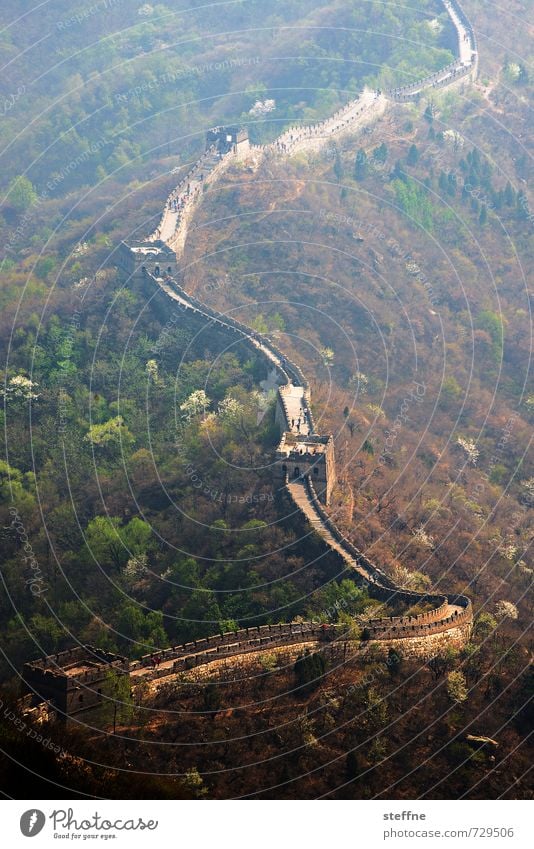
{"x": 305, "y": 459}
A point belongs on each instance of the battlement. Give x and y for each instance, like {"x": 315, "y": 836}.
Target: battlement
{"x": 72, "y": 681}
{"x": 228, "y": 140}
{"x": 156, "y": 257}
{"x": 300, "y": 457}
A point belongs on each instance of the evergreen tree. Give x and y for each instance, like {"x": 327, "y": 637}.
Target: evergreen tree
{"x": 380, "y": 153}
{"x": 361, "y": 168}
{"x": 497, "y": 199}
{"x": 309, "y": 670}
{"x": 483, "y": 217}
{"x": 509, "y": 194}
{"x": 21, "y": 194}
{"x": 413, "y": 155}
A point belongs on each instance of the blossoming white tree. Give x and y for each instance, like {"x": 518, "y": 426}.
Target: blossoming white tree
{"x": 506, "y": 610}
{"x": 20, "y": 388}
{"x": 197, "y": 403}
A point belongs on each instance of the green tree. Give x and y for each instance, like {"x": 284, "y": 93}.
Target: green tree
{"x": 21, "y": 193}
{"x": 44, "y": 266}
{"x": 117, "y": 703}
{"x": 309, "y": 670}
{"x": 112, "y": 433}
{"x": 361, "y": 167}
{"x": 338, "y": 166}
{"x": 457, "y": 686}
{"x": 380, "y": 153}
{"x": 413, "y": 155}
{"x": 111, "y": 544}
{"x": 509, "y": 194}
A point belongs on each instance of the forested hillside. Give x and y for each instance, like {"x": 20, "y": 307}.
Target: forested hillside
{"x": 123, "y": 84}
{"x": 137, "y": 502}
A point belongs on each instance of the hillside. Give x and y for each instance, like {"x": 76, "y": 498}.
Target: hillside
{"x": 138, "y": 500}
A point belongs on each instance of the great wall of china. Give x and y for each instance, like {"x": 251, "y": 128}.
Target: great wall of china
{"x": 304, "y": 463}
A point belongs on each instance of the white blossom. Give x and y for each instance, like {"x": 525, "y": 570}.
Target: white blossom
{"x": 20, "y": 388}
{"x": 506, "y": 610}
{"x": 361, "y": 381}
{"x": 197, "y": 403}
{"x": 509, "y": 551}
{"x": 470, "y": 449}
{"x": 457, "y": 687}
{"x": 262, "y": 107}
{"x": 328, "y": 356}
{"x": 435, "y": 25}
{"x": 136, "y": 567}
{"x": 453, "y": 137}
{"x": 376, "y": 410}
{"x": 421, "y": 536}
{"x": 152, "y": 370}
{"x": 230, "y": 409}
{"x": 513, "y": 71}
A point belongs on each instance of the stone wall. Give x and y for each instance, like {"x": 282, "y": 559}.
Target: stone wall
{"x": 336, "y": 653}
{"x": 450, "y": 614}
{"x": 56, "y": 680}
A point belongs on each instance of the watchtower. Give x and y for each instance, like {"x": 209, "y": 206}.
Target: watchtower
{"x": 156, "y": 257}
{"x": 228, "y": 140}
{"x": 72, "y": 681}
{"x": 300, "y": 456}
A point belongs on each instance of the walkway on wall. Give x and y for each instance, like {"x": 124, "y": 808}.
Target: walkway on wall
{"x": 294, "y": 395}
{"x": 367, "y": 107}
{"x": 301, "y": 492}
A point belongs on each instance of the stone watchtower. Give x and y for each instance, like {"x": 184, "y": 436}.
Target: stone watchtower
{"x": 154, "y": 256}
{"x": 313, "y": 456}
{"x": 228, "y": 140}
{"x": 72, "y": 681}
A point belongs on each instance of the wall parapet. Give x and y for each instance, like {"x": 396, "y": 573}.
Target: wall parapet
{"x": 447, "y": 611}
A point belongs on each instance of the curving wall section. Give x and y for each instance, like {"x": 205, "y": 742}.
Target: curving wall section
{"x": 448, "y": 612}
